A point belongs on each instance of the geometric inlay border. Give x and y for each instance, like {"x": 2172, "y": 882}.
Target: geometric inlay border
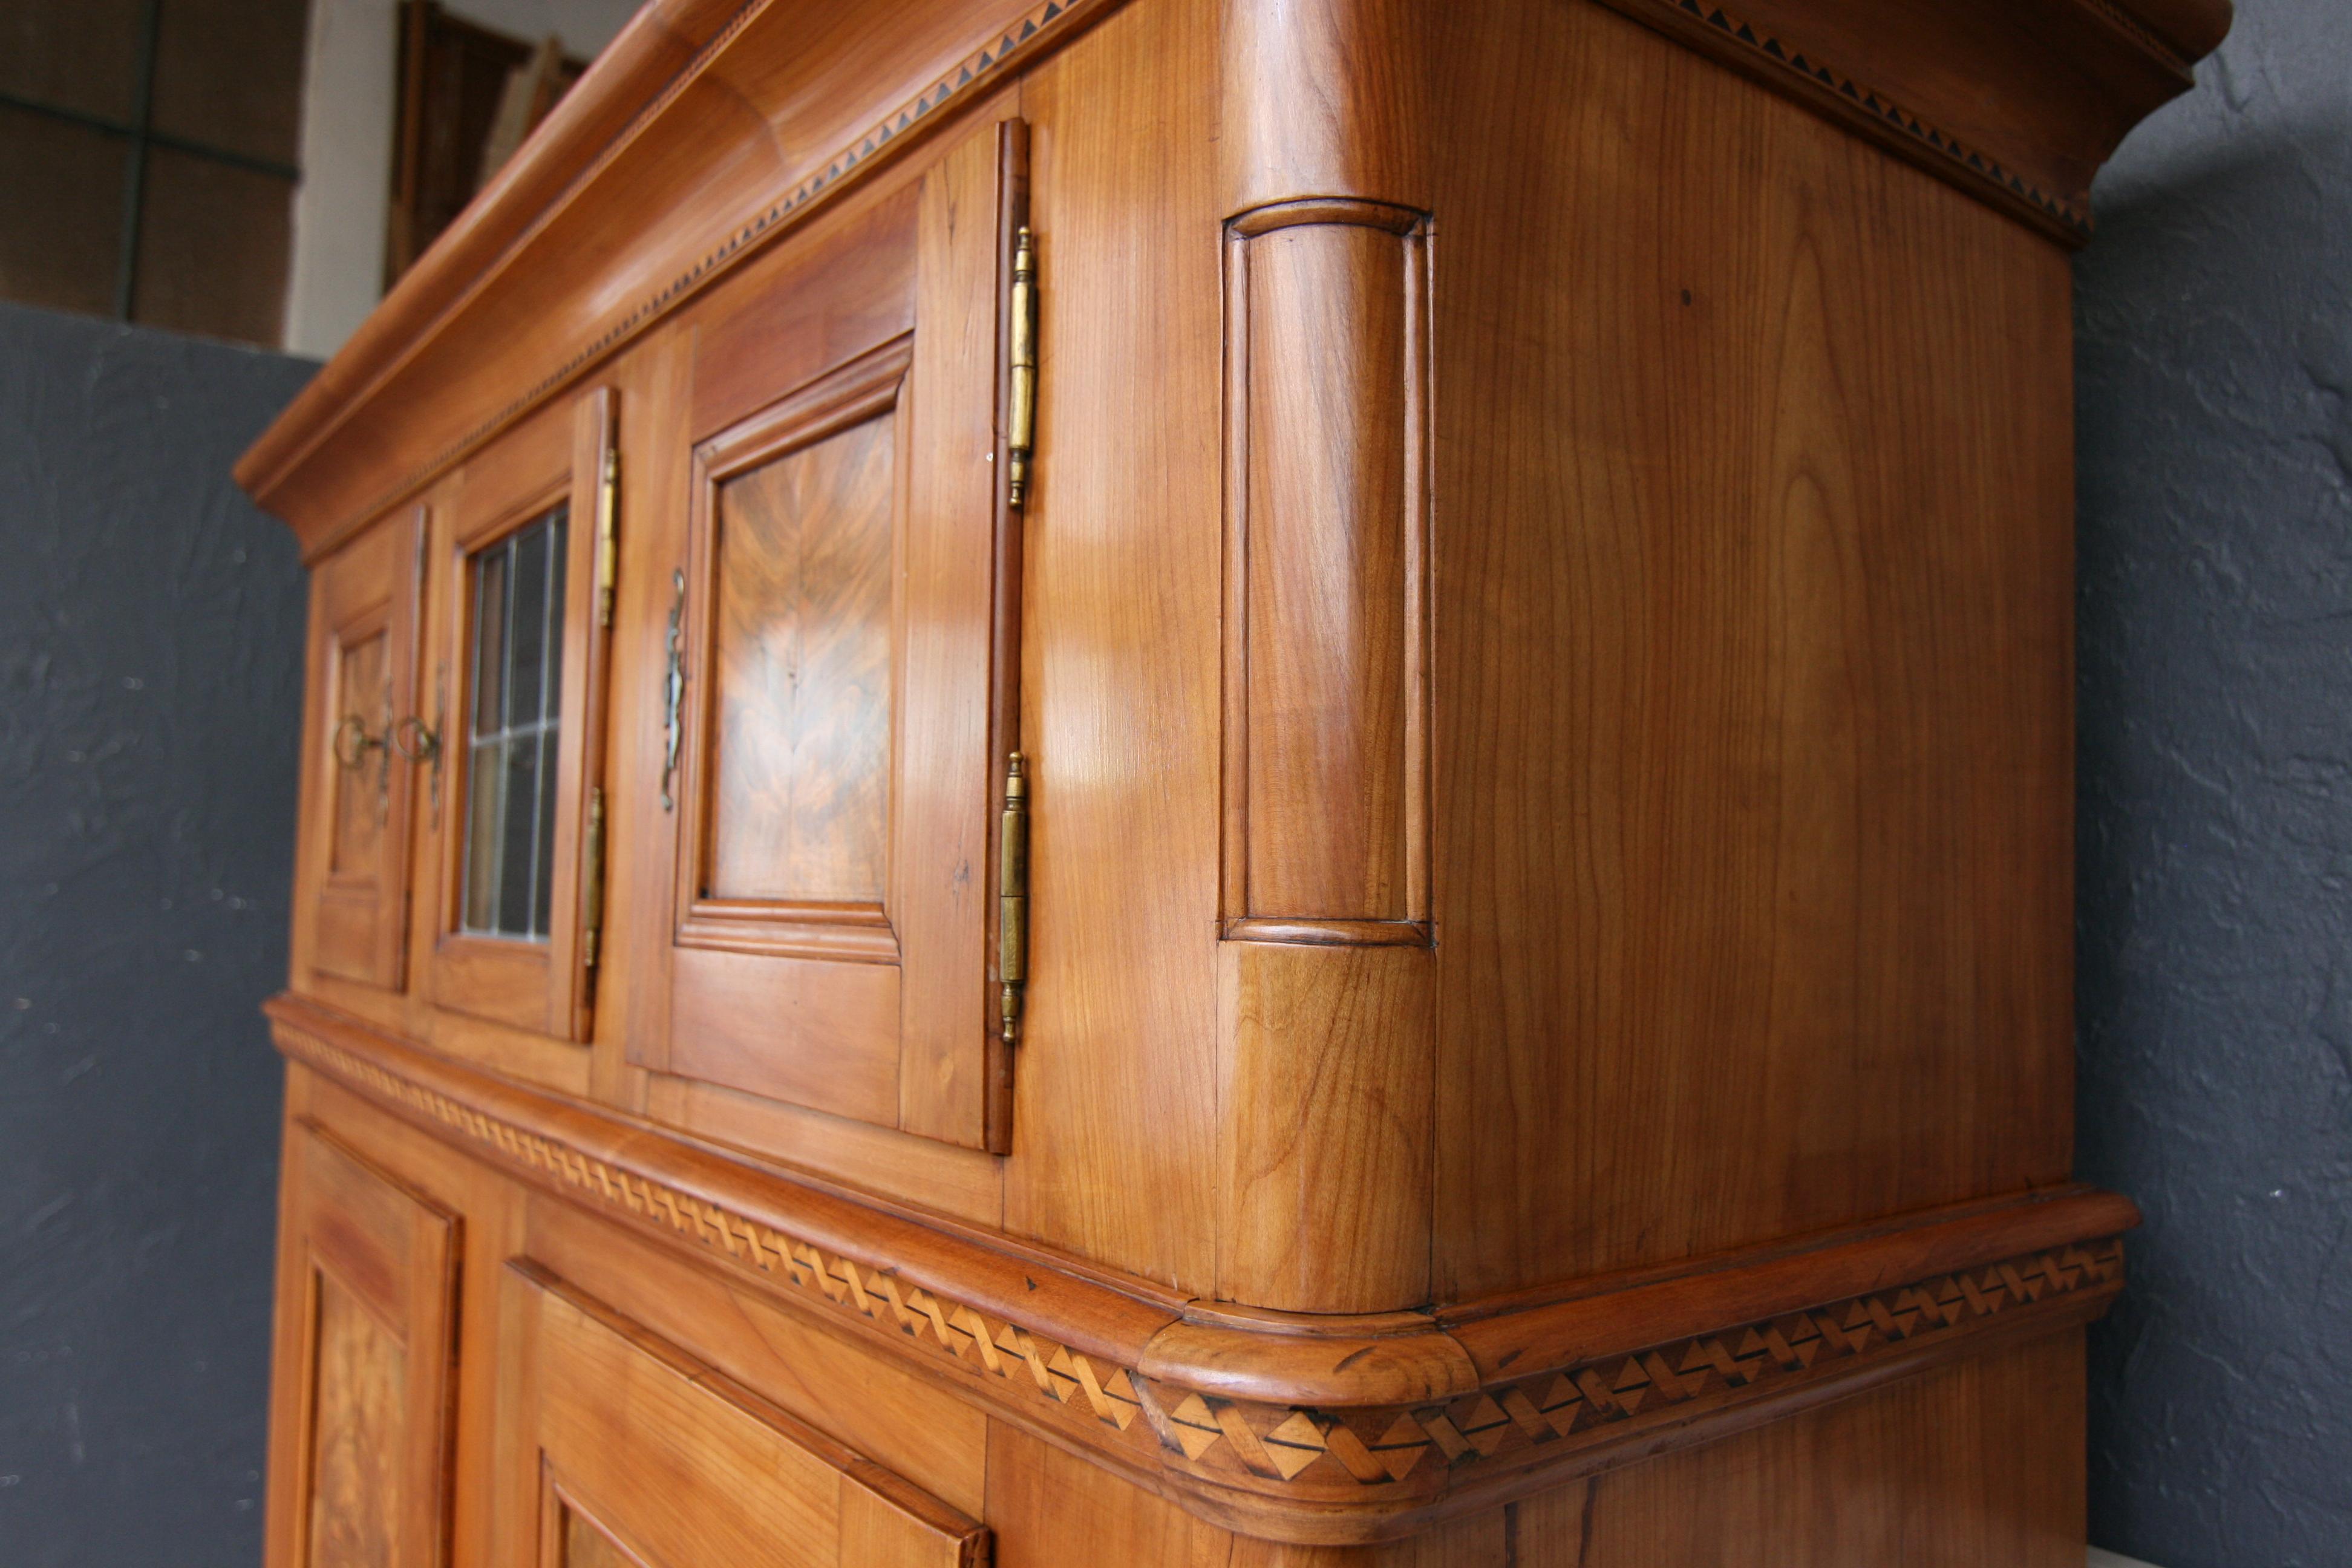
{"x": 1323, "y": 1454}
{"x": 1668, "y": 1382}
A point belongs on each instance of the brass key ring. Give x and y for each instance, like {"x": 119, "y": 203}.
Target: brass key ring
{"x": 353, "y": 742}
{"x": 416, "y": 740}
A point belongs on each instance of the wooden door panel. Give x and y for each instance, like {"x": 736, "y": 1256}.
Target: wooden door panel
{"x": 361, "y": 1375}
{"x": 800, "y": 673}
{"x": 637, "y": 1454}
{"x": 356, "y": 800}
{"x": 517, "y": 945}
{"x": 838, "y": 689}
{"x": 364, "y": 1349}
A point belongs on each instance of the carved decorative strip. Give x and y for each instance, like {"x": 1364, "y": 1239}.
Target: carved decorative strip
{"x": 980, "y": 69}
{"x": 2070, "y": 213}
{"x": 1586, "y": 1402}
{"x": 1384, "y": 1456}
{"x": 995, "y": 1347}
{"x": 2139, "y": 33}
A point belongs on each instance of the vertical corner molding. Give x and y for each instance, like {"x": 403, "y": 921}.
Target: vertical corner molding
{"x": 1327, "y": 975}
{"x": 1326, "y": 808}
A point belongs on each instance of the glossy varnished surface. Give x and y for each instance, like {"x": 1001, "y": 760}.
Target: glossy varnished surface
{"x": 1539, "y": 637}
{"x": 1754, "y": 609}
{"x": 800, "y": 672}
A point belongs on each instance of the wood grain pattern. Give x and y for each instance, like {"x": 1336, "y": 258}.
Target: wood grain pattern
{"x": 1975, "y": 1465}
{"x": 800, "y": 672}
{"x": 1120, "y": 672}
{"x": 1301, "y": 1429}
{"x": 366, "y": 1287}
{"x": 691, "y": 1468}
{"x": 356, "y": 1440}
{"x": 1326, "y": 716}
{"x": 869, "y": 1400}
{"x": 1756, "y": 901}
{"x": 963, "y": 577}
{"x": 1540, "y": 632}
{"x": 1325, "y": 1167}
{"x": 352, "y": 870}
{"x": 586, "y": 1546}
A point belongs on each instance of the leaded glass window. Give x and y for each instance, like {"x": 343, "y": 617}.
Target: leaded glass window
{"x": 516, "y": 681}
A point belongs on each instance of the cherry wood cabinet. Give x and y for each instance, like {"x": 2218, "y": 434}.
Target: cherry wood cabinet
{"x": 1205, "y": 780}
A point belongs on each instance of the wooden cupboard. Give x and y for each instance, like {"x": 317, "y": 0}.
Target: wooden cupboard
{"x": 1181, "y": 780}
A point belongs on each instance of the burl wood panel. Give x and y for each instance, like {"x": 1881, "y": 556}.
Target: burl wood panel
{"x": 359, "y": 1437}
{"x": 800, "y": 672}
{"x": 362, "y": 1376}
{"x": 1753, "y": 668}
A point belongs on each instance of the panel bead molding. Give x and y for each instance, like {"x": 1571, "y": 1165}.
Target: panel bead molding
{"x": 2074, "y": 75}
{"x": 1333, "y": 1431}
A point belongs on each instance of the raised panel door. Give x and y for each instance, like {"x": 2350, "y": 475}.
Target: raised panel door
{"x": 837, "y": 703}
{"x": 361, "y": 1435}
{"x": 516, "y": 802}
{"x": 624, "y": 1452}
{"x": 352, "y": 898}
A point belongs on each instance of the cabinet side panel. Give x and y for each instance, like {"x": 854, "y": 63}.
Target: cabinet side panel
{"x": 1979, "y": 1463}
{"x": 1753, "y": 609}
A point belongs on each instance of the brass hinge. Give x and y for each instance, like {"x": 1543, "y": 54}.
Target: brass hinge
{"x": 1012, "y": 895}
{"x": 1021, "y": 417}
{"x": 608, "y": 534}
{"x": 592, "y": 892}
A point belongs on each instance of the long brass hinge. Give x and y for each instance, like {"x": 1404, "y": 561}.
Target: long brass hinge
{"x": 1012, "y": 895}
{"x": 1020, "y": 415}
{"x": 608, "y": 534}
{"x": 592, "y": 887}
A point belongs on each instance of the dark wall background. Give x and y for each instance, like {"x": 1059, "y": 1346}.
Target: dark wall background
{"x": 151, "y": 640}
{"x": 2215, "y": 363}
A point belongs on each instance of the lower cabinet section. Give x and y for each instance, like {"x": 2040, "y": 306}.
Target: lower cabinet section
{"x": 503, "y": 1343}
{"x": 633, "y": 1453}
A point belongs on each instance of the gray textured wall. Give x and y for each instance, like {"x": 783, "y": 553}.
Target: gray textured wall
{"x": 150, "y": 636}
{"x": 2215, "y": 365}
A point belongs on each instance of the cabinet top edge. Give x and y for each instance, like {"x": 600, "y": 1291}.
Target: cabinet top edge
{"x": 2016, "y": 102}
{"x": 557, "y": 237}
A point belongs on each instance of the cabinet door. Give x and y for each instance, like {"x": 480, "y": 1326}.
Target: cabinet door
{"x": 354, "y": 904}
{"x": 836, "y": 766}
{"x": 517, "y": 809}
{"x": 626, "y": 1453}
{"x": 360, "y": 1430}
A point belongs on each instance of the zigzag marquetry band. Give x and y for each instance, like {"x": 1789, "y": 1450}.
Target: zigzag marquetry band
{"x": 1237, "y": 1457}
